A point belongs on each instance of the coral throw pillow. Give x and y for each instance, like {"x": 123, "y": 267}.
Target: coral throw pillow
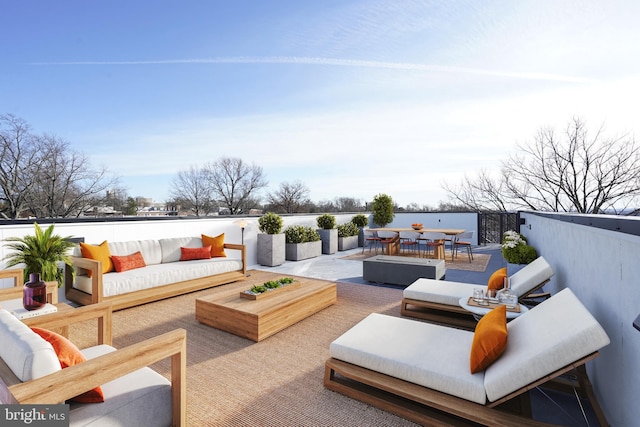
{"x": 489, "y": 339}
{"x": 128, "y": 262}
{"x": 496, "y": 281}
{"x": 216, "y": 243}
{"x": 99, "y": 253}
{"x": 188, "y": 254}
{"x": 70, "y": 355}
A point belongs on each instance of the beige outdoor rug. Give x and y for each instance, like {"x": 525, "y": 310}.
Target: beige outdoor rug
{"x": 232, "y": 381}
{"x": 479, "y": 263}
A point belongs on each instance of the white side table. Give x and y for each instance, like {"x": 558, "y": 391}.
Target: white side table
{"x": 478, "y": 312}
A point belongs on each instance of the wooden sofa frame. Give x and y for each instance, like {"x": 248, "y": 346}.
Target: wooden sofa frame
{"x": 454, "y": 315}
{"x": 144, "y": 296}
{"x": 74, "y": 380}
{"x": 433, "y": 408}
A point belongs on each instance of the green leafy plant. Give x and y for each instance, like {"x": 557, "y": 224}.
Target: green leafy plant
{"x": 360, "y": 220}
{"x": 382, "y": 208}
{"x": 272, "y": 284}
{"x": 300, "y": 234}
{"x": 286, "y": 280}
{"x": 40, "y": 253}
{"x": 270, "y": 223}
{"x": 516, "y": 250}
{"x": 347, "y": 230}
{"x": 326, "y": 221}
{"x": 258, "y": 289}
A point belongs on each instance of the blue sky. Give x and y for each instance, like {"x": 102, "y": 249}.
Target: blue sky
{"x": 353, "y": 98}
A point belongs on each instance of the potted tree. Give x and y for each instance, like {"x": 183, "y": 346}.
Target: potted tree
{"x": 360, "y": 221}
{"x": 347, "y": 236}
{"x": 271, "y": 240}
{"x": 302, "y": 243}
{"x": 516, "y": 251}
{"x": 328, "y": 233}
{"x": 42, "y": 255}
{"x": 382, "y": 208}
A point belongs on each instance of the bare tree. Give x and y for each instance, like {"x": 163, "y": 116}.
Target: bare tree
{"x": 348, "y": 204}
{"x": 235, "y": 183}
{"x": 192, "y": 191}
{"x": 579, "y": 171}
{"x": 289, "y": 198}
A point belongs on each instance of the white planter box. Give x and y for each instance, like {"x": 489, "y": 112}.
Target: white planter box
{"x": 300, "y": 251}
{"x": 271, "y": 249}
{"x": 346, "y": 243}
{"x": 329, "y": 240}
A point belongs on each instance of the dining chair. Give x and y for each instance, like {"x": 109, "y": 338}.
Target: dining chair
{"x": 464, "y": 240}
{"x": 387, "y": 241}
{"x": 434, "y": 242}
{"x": 371, "y": 239}
{"x": 408, "y": 240}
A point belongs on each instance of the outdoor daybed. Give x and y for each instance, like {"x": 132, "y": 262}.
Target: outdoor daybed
{"x": 438, "y": 300}
{"x": 151, "y": 270}
{"x": 421, "y": 371}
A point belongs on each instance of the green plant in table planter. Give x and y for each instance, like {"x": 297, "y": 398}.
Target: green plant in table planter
{"x": 300, "y": 234}
{"x": 270, "y": 223}
{"x": 360, "y": 220}
{"x": 258, "y": 289}
{"x": 516, "y": 250}
{"x": 286, "y": 280}
{"x": 272, "y": 284}
{"x": 326, "y": 221}
{"x": 347, "y": 230}
{"x": 40, "y": 253}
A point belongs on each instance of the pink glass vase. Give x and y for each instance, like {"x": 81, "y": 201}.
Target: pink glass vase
{"x": 35, "y": 292}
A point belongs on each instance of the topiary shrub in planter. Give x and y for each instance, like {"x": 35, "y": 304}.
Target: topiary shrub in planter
{"x": 516, "y": 251}
{"x": 302, "y": 243}
{"x": 271, "y": 242}
{"x": 360, "y": 221}
{"x": 347, "y": 236}
{"x": 328, "y": 233}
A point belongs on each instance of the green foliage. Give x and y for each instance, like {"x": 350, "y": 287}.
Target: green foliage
{"x": 286, "y": 280}
{"x": 326, "y": 221}
{"x": 272, "y": 284}
{"x": 270, "y": 223}
{"x": 360, "y": 220}
{"x": 40, "y": 253}
{"x": 515, "y": 249}
{"x": 348, "y": 229}
{"x": 258, "y": 289}
{"x": 300, "y": 234}
{"x": 382, "y": 208}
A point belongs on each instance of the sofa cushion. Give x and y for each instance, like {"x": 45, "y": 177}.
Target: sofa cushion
{"x": 171, "y": 247}
{"x": 489, "y": 339}
{"x": 150, "y": 249}
{"x": 69, "y": 355}
{"x": 430, "y": 355}
{"x": 128, "y": 262}
{"x": 140, "y": 398}
{"x": 216, "y": 243}
{"x": 188, "y": 254}
{"x": 100, "y": 253}
{"x": 25, "y": 352}
{"x": 553, "y": 334}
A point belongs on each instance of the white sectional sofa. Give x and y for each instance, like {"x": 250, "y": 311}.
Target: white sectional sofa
{"x": 163, "y": 276}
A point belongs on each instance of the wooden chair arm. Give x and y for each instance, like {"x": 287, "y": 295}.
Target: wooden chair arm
{"x": 17, "y": 274}
{"x": 16, "y": 293}
{"x": 101, "y": 311}
{"x": 74, "y": 380}
{"x": 243, "y": 248}
{"x": 83, "y": 266}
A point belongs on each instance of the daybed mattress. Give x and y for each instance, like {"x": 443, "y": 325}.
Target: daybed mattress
{"x": 439, "y": 291}
{"x": 405, "y": 349}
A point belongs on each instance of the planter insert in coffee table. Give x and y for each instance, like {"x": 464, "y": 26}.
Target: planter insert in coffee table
{"x": 270, "y": 288}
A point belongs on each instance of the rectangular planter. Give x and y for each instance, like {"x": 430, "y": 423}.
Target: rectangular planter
{"x": 271, "y": 249}
{"x": 346, "y": 243}
{"x": 300, "y": 251}
{"x": 329, "y": 240}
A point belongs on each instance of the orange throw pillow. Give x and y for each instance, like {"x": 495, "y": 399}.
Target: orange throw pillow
{"x": 216, "y": 243}
{"x": 489, "y": 339}
{"x": 496, "y": 281}
{"x": 70, "y": 355}
{"x": 188, "y": 254}
{"x": 99, "y": 253}
{"x": 128, "y": 262}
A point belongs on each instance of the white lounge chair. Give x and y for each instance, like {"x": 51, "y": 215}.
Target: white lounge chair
{"x": 421, "y": 371}
{"x": 437, "y": 300}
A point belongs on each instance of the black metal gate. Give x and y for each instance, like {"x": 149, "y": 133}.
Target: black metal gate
{"x": 492, "y": 226}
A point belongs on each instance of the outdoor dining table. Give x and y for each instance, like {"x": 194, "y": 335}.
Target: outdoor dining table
{"x": 393, "y": 249}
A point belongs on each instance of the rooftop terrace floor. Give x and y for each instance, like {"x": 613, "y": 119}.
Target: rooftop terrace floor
{"x": 547, "y": 405}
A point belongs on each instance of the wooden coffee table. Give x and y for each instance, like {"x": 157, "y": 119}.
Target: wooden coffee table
{"x": 258, "y": 319}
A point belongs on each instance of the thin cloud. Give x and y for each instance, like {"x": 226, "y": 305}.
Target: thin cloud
{"x": 339, "y": 62}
